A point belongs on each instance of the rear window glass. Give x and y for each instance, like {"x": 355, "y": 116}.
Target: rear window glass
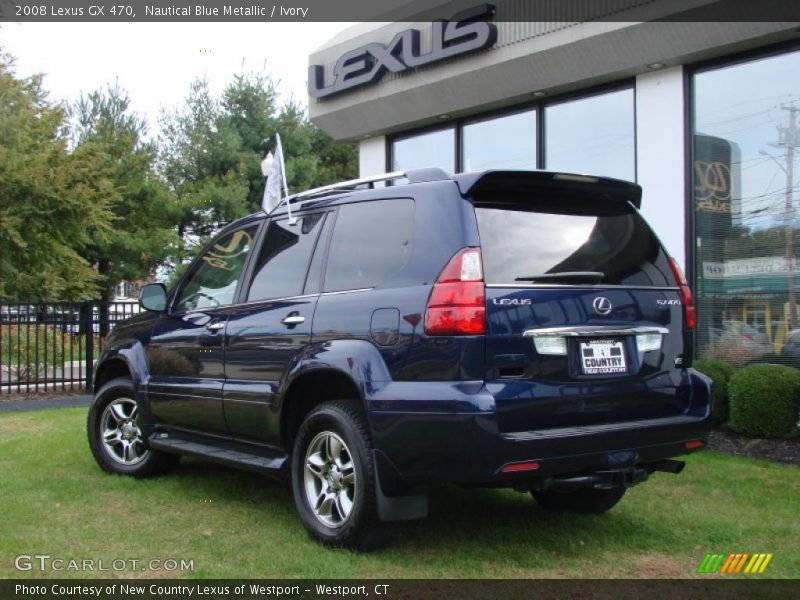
{"x": 572, "y": 242}
{"x": 371, "y": 241}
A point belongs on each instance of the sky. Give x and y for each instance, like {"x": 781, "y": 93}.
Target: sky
{"x": 155, "y": 62}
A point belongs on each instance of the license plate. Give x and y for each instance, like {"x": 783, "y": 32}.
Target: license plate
{"x": 602, "y": 357}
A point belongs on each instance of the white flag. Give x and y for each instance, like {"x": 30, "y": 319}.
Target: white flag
{"x": 273, "y": 170}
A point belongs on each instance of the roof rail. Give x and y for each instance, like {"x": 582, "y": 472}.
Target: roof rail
{"x": 413, "y": 176}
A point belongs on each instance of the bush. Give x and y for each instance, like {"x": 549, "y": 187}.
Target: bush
{"x": 735, "y": 356}
{"x": 26, "y": 349}
{"x": 789, "y": 360}
{"x": 763, "y": 400}
{"x": 721, "y": 372}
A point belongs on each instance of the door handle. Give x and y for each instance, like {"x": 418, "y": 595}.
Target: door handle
{"x": 216, "y": 326}
{"x": 292, "y": 320}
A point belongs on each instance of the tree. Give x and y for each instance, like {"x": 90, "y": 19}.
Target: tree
{"x": 312, "y": 157}
{"x": 86, "y": 204}
{"x": 210, "y": 154}
{"x": 297, "y": 137}
{"x": 248, "y": 108}
{"x": 50, "y": 198}
{"x": 142, "y": 234}
{"x": 200, "y": 164}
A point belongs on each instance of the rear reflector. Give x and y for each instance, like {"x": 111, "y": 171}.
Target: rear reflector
{"x": 457, "y": 305}
{"x": 693, "y": 444}
{"x": 689, "y": 312}
{"x": 523, "y": 466}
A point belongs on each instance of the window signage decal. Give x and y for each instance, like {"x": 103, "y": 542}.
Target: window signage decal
{"x": 220, "y": 255}
{"x": 748, "y": 267}
{"x": 713, "y": 187}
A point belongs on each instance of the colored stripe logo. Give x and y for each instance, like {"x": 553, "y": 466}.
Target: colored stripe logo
{"x": 741, "y": 562}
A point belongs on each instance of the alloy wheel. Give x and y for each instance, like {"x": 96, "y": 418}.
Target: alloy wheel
{"x": 330, "y": 479}
{"x": 120, "y": 433}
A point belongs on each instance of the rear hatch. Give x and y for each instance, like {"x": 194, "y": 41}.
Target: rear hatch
{"x": 584, "y": 318}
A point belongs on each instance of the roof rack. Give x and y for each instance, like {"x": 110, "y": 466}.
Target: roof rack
{"x": 413, "y": 176}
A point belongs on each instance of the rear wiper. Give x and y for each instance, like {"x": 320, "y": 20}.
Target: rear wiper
{"x": 594, "y": 276}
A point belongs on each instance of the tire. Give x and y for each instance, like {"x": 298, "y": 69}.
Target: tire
{"x": 122, "y": 449}
{"x": 333, "y": 478}
{"x": 587, "y": 501}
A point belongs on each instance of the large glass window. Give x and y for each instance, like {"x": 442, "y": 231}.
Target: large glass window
{"x": 371, "y": 240}
{"x": 745, "y": 173}
{"x": 213, "y": 282}
{"x": 507, "y": 142}
{"x": 433, "y": 149}
{"x": 593, "y": 135}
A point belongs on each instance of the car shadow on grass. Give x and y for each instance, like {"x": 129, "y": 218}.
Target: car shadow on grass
{"x": 481, "y": 524}
{"x": 231, "y": 484}
{"x": 461, "y": 516}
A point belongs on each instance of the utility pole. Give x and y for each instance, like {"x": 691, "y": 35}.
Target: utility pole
{"x": 788, "y": 136}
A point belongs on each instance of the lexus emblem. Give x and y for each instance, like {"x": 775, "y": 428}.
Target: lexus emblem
{"x": 602, "y": 305}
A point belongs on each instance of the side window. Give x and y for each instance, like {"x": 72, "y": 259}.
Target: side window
{"x": 282, "y": 263}
{"x": 371, "y": 241}
{"x": 213, "y": 283}
{"x": 314, "y": 278}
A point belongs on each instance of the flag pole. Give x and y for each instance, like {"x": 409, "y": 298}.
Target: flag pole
{"x": 283, "y": 165}
{"x": 292, "y": 220}
{"x": 266, "y": 169}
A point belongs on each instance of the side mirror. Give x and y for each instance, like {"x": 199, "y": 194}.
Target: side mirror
{"x": 153, "y": 297}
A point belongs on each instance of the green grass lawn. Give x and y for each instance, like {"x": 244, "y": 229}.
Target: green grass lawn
{"x": 55, "y": 500}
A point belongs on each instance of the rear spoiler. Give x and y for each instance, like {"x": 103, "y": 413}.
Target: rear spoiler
{"x": 493, "y": 183}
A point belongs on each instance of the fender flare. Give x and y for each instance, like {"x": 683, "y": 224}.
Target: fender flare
{"x": 361, "y": 363}
{"x": 357, "y": 360}
{"x": 131, "y": 353}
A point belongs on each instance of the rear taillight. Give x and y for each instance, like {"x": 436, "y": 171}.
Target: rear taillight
{"x": 457, "y": 305}
{"x": 689, "y": 312}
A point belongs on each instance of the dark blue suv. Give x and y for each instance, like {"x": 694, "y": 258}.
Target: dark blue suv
{"x": 518, "y": 329}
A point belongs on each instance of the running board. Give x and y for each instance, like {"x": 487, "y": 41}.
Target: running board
{"x": 226, "y": 456}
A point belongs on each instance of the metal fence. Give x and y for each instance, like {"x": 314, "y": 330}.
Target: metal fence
{"x": 52, "y": 346}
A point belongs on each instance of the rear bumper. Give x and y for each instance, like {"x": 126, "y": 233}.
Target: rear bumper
{"x": 420, "y": 447}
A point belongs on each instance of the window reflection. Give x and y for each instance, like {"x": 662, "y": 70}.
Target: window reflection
{"x": 547, "y": 239}
{"x": 745, "y": 200}
{"x": 434, "y": 149}
{"x": 507, "y": 142}
{"x": 592, "y": 135}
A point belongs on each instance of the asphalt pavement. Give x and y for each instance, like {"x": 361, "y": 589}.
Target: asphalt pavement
{"x": 39, "y": 404}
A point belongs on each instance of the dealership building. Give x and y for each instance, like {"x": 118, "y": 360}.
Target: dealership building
{"x": 703, "y": 115}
